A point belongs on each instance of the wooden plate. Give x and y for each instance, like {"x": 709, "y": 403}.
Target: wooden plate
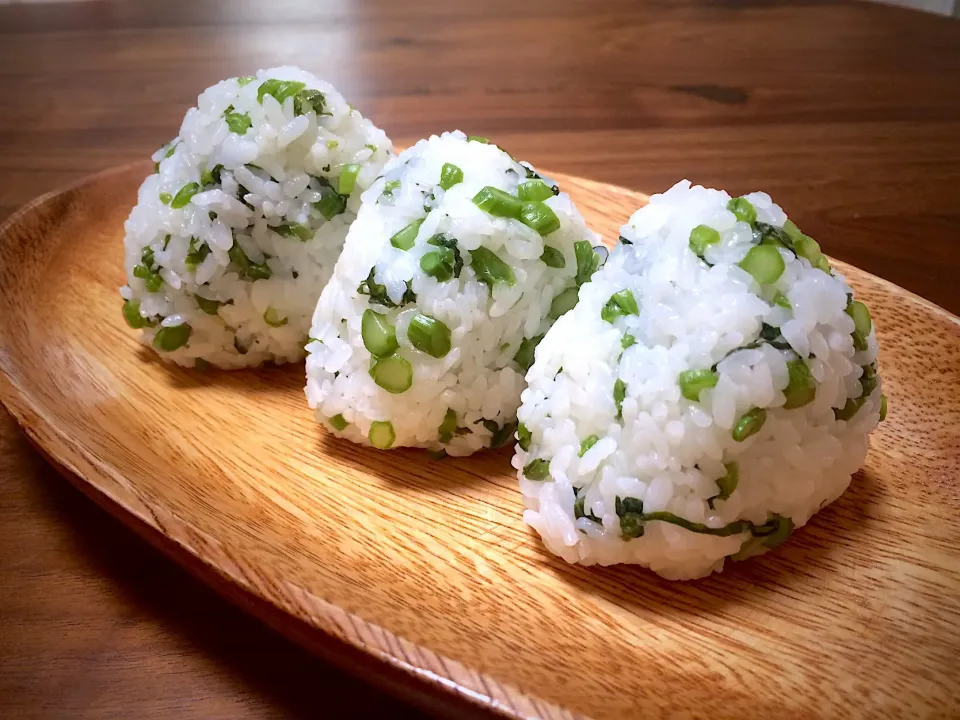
{"x": 421, "y": 574}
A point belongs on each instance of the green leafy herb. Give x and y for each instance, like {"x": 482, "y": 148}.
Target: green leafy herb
{"x": 279, "y": 89}
{"x": 210, "y": 307}
{"x": 294, "y": 230}
{"x": 588, "y": 443}
{"x": 524, "y": 437}
{"x": 184, "y": 195}
{"x": 538, "y": 469}
{"x": 238, "y": 123}
{"x": 489, "y": 268}
{"x": 620, "y": 304}
{"x": 524, "y": 355}
{"x": 619, "y": 395}
{"x": 552, "y": 257}
{"x": 727, "y": 484}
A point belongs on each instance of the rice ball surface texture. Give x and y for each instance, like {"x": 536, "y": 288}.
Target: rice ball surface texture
{"x": 238, "y": 230}
{"x": 713, "y": 388}
{"x": 459, "y": 261}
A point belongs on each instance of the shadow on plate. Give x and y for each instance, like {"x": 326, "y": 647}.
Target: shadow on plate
{"x": 802, "y": 562}
{"x": 269, "y": 378}
{"x": 152, "y": 597}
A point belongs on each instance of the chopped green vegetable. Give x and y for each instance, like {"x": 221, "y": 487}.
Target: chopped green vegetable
{"x": 371, "y": 147}
{"x": 538, "y": 469}
{"x": 851, "y": 408}
{"x": 808, "y": 248}
{"x": 147, "y": 258}
{"x": 405, "y": 238}
{"x": 307, "y": 100}
{"x": 450, "y": 175}
{"x": 489, "y": 268}
{"x": 578, "y": 510}
{"x": 749, "y": 424}
{"x": 379, "y": 335}
{"x": 245, "y": 80}
{"x": 238, "y": 123}
{"x": 764, "y": 263}
{"x": 533, "y": 190}
{"x": 701, "y": 237}
{"x": 428, "y": 335}
{"x": 169, "y": 339}
{"x": 211, "y": 177}
{"x": 552, "y": 257}
{"x": 630, "y": 512}
{"x": 524, "y": 355}
{"x": 392, "y": 373}
{"x": 524, "y": 437}
{"x": 294, "y": 230}
{"x": 587, "y": 261}
{"x": 619, "y": 395}
{"x": 588, "y": 443}
{"x": 166, "y": 198}
{"x": 348, "y": 178}
{"x": 378, "y": 293}
{"x": 153, "y": 282}
{"x": 381, "y": 434}
{"x": 131, "y": 313}
{"x": 499, "y": 435}
{"x": 538, "y": 216}
{"x": 498, "y": 203}
{"x": 280, "y": 89}
{"x": 250, "y": 270}
{"x": 883, "y": 407}
{"x": 743, "y": 209}
{"x": 331, "y": 144}
{"x": 620, "y": 304}
{"x": 801, "y": 388}
{"x": 444, "y": 263}
{"x": 868, "y": 381}
{"x": 627, "y": 340}
{"x": 389, "y": 186}
{"x": 693, "y": 382}
{"x": 448, "y": 427}
{"x": 338, "y": 422}
{"x": 862, "y": 323}
{"x": 331, "y": 203}
{"x": 564, "y": 302}
{"x": 272, "y": 318}
{"x": 210, "y": 307}
{"x": 184, "y": 195}
{"x": 727, "y": 484}
{"x": 477, "y": 139}
{"x": 781, "y": 300}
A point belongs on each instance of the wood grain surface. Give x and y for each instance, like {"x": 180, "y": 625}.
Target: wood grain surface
{"x": 847, "y": 112}
{"x": 229, "y": 472}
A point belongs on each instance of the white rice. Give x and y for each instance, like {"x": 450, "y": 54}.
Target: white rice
{"x": 277, "y": 162}
{"x": 476, "y": 385}
{"x": 668, "y": 452}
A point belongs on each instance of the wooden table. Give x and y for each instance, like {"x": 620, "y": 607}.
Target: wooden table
{"x": 849, "y": 114}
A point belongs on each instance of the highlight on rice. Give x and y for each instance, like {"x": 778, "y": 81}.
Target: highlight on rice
{"x": 237, "y": 231}
{"x": 713, "y": 388}
{"x": 459, "y": 261}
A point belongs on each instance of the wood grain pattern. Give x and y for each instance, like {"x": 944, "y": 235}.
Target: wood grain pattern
{"x": 859, "y": 613}
{"x": 846, "y": 111}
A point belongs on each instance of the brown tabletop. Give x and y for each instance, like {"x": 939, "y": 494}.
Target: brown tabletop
{"x": 847, "y": 113}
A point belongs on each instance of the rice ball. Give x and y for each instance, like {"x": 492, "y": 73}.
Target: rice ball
{"x": 713, "y": 389}
{"x": 238, "y": 230}
{"x": 459, "y": 261}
